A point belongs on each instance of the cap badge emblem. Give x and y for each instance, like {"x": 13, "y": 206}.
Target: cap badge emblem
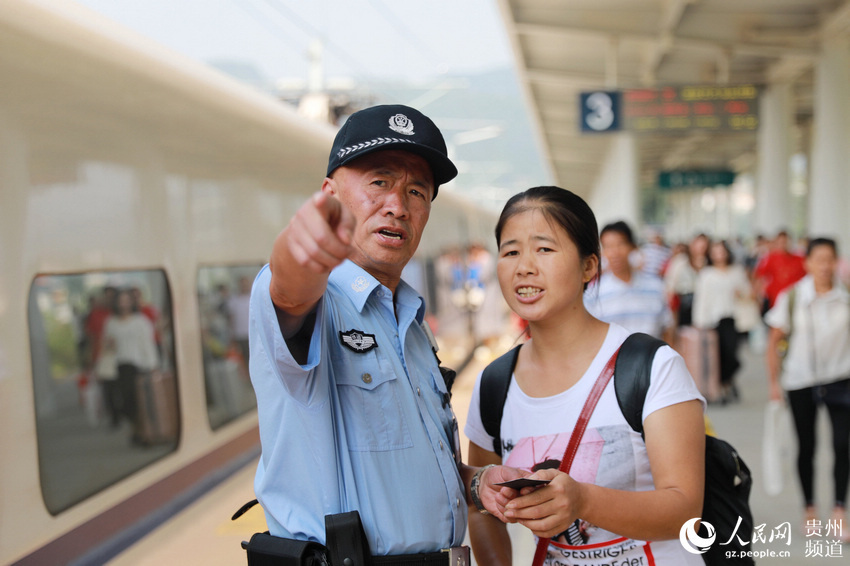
{"x": 358, "y": 341}
{"x": 401, "y": 124}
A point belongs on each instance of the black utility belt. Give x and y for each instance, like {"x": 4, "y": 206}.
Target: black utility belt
{"x": 456, "y": 556}
{"x": 346, "y": 546}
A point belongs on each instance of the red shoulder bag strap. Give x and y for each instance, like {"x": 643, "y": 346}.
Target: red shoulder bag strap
{"x": 575, "y": 438}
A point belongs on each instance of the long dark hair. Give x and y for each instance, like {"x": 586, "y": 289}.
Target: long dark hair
{"x": 565, "y": 208}
{"x": 730, "y": 259}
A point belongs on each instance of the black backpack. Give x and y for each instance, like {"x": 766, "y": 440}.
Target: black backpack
{"x": 727, "y": 477}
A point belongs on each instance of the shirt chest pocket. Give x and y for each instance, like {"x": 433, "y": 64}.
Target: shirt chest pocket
{"x": 370, "y": 400}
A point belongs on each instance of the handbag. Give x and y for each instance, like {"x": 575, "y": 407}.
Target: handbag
{"x": 746, "y": 314}
{"x": 106, "y": 366}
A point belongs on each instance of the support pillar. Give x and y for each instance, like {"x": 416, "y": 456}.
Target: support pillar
{"x": 829, "y": 203}
{"x": 615, "y": 194}
{"x": 773, "y": 208}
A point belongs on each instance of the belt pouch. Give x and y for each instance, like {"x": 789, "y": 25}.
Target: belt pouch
{"x": 346, "y": 540}
{"x": 267, "y": 550}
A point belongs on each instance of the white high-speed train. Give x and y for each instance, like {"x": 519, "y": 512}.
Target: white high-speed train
{"x": 126, "y": 166}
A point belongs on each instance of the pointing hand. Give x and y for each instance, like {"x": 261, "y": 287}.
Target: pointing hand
{"x": 320, "y": 233}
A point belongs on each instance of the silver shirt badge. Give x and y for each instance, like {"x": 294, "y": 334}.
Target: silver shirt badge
{"x": 358, "y": 341}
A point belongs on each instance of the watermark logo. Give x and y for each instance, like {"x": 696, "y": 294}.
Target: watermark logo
{"x": 822, "y": 539}
{"x": 692, "y": 541}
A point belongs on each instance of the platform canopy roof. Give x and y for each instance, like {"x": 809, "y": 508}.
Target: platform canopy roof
{"x": 566, "y": 47}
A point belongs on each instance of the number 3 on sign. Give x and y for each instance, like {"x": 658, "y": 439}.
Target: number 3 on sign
{"x": 600, "y": 115}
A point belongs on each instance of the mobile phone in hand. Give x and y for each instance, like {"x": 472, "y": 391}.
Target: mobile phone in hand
{"x": 522, "y": 482}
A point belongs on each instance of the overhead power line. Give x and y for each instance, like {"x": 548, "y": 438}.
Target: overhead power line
{"x": 274, "y": 30}
{"x": 403, "y": 29}
{"x": 304, "y": 25}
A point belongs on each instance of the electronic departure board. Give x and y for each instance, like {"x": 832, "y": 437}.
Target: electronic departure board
{"x": 673, "y": 109}
{"x": 691, "y": 108}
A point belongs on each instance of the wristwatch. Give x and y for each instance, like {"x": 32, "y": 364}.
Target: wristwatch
{"x": 473, "y": 489}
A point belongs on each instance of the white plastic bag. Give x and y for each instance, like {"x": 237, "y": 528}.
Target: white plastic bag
{"x": 775, "y": 446}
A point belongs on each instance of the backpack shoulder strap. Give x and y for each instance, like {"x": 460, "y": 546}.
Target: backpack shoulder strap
{"x": 495, "y": 382}
{"x": 632, "y": 376}
{"x": 792, "y": 295}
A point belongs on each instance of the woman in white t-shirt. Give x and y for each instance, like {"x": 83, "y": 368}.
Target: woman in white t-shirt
{"x": 621, "y": 491}
{"x": 813, "y": 317}
{"x": 718, "y": 286}
{"x": 680, "y": 278}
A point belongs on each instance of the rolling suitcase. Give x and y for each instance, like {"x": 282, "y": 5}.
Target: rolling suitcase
{"x": 157, "y": 413}
{"x": 699, "y": 348}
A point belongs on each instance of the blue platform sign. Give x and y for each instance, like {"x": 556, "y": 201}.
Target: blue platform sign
{"x": 600, "y": 111}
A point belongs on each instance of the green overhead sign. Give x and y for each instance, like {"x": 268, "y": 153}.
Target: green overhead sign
{"x": 694, "y": 179}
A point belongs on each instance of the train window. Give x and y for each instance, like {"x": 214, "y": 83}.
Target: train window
{"x": 223, "y": 296}
{"x": 104, "y": 379}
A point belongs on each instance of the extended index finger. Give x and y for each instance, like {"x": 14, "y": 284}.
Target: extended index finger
{"x": 338, "y": 217}
{"x": 314, "y": 235}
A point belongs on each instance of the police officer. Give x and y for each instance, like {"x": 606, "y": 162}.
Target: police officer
{"x": 353, "y": 409}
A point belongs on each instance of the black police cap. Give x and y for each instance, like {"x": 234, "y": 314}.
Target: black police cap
{"x": 392, "y": 126}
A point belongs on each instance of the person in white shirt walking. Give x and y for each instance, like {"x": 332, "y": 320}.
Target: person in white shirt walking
{"x": 625, "y": 295}
{"x": 718, "y": 286}
{"x": 813, "y": 317}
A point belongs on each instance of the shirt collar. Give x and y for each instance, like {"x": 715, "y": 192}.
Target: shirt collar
{"x": 808, "y": 293}
{"x": 358, "y": 285}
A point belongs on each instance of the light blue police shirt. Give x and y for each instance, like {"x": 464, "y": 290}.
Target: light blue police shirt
{"x": 362, "y": 425}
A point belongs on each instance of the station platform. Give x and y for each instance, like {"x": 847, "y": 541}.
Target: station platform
{"x": 204, "y": 534}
